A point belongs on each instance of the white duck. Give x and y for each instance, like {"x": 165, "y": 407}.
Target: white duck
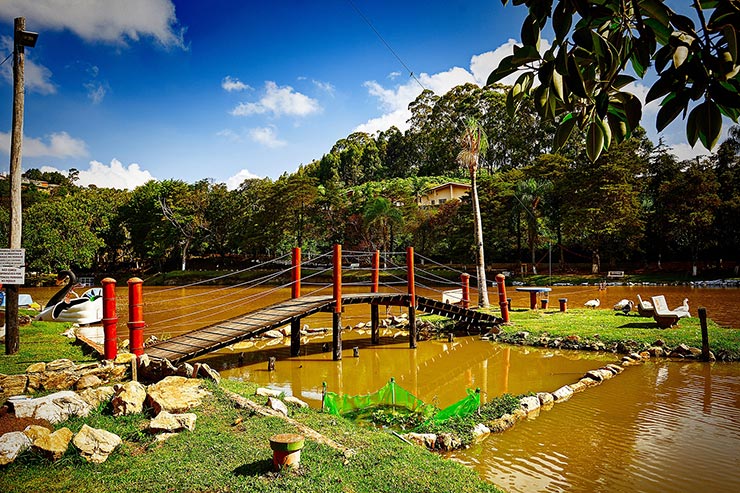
{"x": 619, "y": 305}
{"x": 85, "y": 309}
{"x": 683, "y": 309}
{"x": 592, "y": 303}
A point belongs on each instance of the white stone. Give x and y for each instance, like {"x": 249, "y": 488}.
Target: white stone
{"x": 295, "y": 401}
{"x": 175, "y": 394}
{"x": 54, "y": 408}
{"x": 479, "y": 430}
{"x": 530, "y": 404}
{"x": 129, "y": 398}
{"x": 265, "y": 392}
{"x": 96, "y": 445}
{"x": 12, "y": 445}
{"x": 277, "y": 405}
{"x": 167, "y": 422}
{"x": 563, "y": 393}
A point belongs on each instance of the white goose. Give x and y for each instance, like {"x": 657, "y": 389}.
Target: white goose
{"x": 683, "y": 309}
{"x": 592, "y": 303}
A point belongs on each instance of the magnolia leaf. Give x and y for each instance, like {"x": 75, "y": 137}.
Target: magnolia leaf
{"x": 692, "y": 126}
{"x": 557, "y": 84}
{"x": 731, "y": 37}
{"x": 671, "y": 107}
{"x": 709, "y": 123}
{"x": 594, "y": 141}
{"x": 679, "y": 55}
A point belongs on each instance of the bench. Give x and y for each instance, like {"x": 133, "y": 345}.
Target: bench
{"x": 354, "y": 266}
{"x": 662, "y": 315}
{"x": 615, "y": 273}
{"x": 452, "y": 296}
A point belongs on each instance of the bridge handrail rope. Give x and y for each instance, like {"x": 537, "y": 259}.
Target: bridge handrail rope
{"x": 216, "y": 307}
{"x": 225, "y": 275}
{"x": 262, "y": 280}
{"x": 473, "y": 278}
{"x": 253, "y": 297}
{"x": 256, "y": 282}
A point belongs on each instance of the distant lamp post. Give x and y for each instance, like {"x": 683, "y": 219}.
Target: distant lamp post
{"x": 22, "y": 39}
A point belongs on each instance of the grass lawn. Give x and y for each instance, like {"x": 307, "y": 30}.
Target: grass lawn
{"x": 222, "y": 456}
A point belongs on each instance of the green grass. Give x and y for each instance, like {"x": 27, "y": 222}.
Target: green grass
{"x": 220, "y": 456}
{"x": 41, "y": 341}
{"x": 609, "y": 327}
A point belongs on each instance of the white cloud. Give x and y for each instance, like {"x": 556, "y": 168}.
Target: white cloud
{"x": 394, "y": 75}
{"x": 279, "y": 101}
{"x": 233, "y": 182}
{"x": 113, "y": 176}
{"x": 229, "y": 135}
{"x": 266, "y": 136}
{"x": 327, "y": 87}
{"x": 110, "y": 21}
{"x": 37, "y": 77}
{"x": 229, "y": 84}
{"x": 59, "y": 145}
{"x": 95, "y": 91}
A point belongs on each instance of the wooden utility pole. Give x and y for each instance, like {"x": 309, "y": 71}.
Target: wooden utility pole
{"x": 16, "y": 142}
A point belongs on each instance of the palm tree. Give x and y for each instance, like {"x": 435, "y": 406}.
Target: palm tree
{"x": 474, "y": 143}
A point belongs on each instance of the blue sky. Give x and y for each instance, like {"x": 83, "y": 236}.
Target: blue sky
{"x": 126, "y": 91}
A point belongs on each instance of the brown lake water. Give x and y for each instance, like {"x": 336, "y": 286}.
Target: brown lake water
{"x": 661, "y": 426}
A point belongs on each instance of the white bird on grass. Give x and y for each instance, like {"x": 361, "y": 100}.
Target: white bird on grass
{"x": 619, "y": 305}
{"x": 684, "y": 308}
{"x": 592, "y": 303}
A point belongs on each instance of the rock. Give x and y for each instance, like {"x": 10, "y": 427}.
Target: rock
{"x": 545, "y": 398}
{"x": 427, "y": 440}
{"x": 502, "y": 424}
{"x": 562, "y": 394}
{"x": 480, "y": 430}
{"x": 34, "y": 432}
{"x": 265, "y": 392}
{"x": 95, "y": 445}
{"x": 166, "y": 422}
{"x": 124, "y": 358}
{"x": 12, "y": 445}
{"x": 645, "y": 355}
{"x": 659, "y": 343}
{"x": 588, "y": 382}
{"x": 205, "y": 371}
{"x": 277, "y": 405}
{"x": 36, "y": 368}
{"x": 599, "y": 375}
{"x": 695, "y": 352}
{"x": 11, "y": 385}
{"x": 656, "y": 351}
{"x": 447, "y": 442}
{"x": 521, "y": 335}
{"x": 128, "y": 399}
{"x": 529, "y": 404}
{"x": 88, "y": 381}
{"x": 289, "y": 399}
{"x": 616, "y": 369}
{"x": 55, "y": 444}
{"x": 175, "y": 395}
{"x": 97, "y": 396}
{"x": 59, "y": 380}
{"x": 635, "y": 356}
{"x": 55, "y": 408}
{"x": 59, "y": 365}
{"x": 577, "y": 387}
{"x": 119, "y": 372}
{"x": 155, "y": 369}
{"x": 273, "y": 334}
{"x": 680, "y": 351}
{"x": 185, "y": 370}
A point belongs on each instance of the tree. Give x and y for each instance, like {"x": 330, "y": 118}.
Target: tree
{"x": 580, "y": 79}
{"x": 530, "y": 193}
{"x": 474, "y": 143}
{"x": 381, "y": 216}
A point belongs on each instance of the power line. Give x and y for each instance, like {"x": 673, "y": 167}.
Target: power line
{"x": 6, "y": 59}
{"x": 367, "y": 21}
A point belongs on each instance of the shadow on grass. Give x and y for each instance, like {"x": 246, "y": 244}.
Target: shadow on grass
{"x": 255, "y": 468}
{"x": 640, "y": 325}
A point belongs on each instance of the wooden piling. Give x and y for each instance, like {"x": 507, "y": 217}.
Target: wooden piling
{"x": 704, "y": 334}
{"x": 374, "y": 315}
{"x": 412, "y": 296}
{"x": 337, "y": 315}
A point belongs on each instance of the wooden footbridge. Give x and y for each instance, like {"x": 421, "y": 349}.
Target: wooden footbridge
{"x": 223, "y": 334}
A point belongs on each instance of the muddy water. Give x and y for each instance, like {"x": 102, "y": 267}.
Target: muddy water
{"x": 661, "y": 426}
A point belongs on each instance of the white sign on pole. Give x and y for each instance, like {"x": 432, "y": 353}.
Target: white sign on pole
{"x": 12, "y": 265}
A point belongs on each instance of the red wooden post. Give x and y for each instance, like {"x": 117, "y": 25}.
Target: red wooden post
{"x": 465, "y": 279}
{"x": 376, "y": 272}
{"x": 501, "y": 283}
{"x": 337, "y": 315}
{"x": 563, "y": 304}
{"x": 296, "y": 286}
{"x": 544, "y": 302}
{"x": 412, "y": 296}
{"x": 110, "y": 319}
{"x": 136, "y": 316}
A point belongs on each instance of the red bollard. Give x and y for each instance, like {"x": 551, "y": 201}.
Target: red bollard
{"x": 296, "y": 286}
{"x": 110, "y": 319}
{"x": 337, "y": 278}
{"x": 563, "y": 304}
{"x": 500, "y": 282}
{"x": 411, "y": 279}
{"x": 465, "y": 279}
{"x": 136, "y": 316}
{"x": 544, "y": 302}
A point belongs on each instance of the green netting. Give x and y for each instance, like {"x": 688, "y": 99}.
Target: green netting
{"x": 393, "y": 395}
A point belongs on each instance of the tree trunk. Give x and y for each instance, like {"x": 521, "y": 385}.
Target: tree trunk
{"x": 478, "y": 230}
{"x": 184, "y": 254}
{"x": 595, "y": 262}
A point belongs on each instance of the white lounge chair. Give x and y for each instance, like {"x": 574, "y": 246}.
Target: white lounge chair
{"x": 665, "y": 317}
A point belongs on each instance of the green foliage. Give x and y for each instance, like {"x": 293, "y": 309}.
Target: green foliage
{"x": 582, "y": 76}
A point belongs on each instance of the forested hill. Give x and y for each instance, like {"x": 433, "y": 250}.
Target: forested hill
{"x": 636, "y": 203}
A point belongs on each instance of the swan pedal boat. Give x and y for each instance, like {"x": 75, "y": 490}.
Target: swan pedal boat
{"x": 86, "y": 309}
